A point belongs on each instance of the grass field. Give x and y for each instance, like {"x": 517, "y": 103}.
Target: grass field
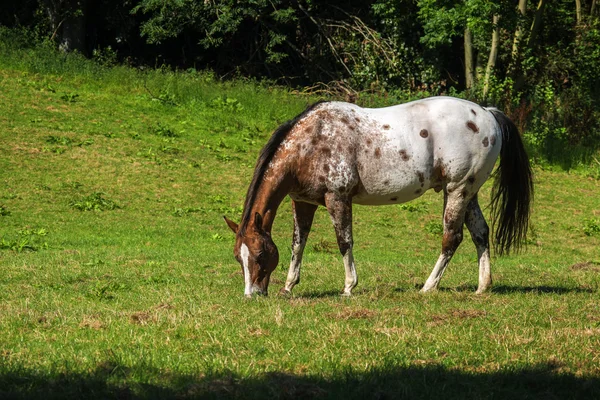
{"x": 117, "y": 278}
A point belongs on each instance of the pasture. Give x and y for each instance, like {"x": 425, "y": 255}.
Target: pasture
{"x": 117, "y": 278}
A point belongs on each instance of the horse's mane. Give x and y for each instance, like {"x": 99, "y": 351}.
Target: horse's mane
{"x": 265, "y": 157}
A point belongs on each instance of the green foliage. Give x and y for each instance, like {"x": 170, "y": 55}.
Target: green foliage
{"x": 413, "y": 207}
{"x": 4, "y": 211}
{"x": 225, "y": 103}
{"x": 27, "y": 239}
{"x": 161, "y": 130}
{"x": 434, "y": 227}
{"x": 69, "y": 97}
{"x": 60, "y": 140}
{"x": 94, "y": 202}
{"x": 591, "y": 226}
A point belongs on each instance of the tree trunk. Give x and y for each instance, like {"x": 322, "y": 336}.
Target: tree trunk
{"x": 68, "y": 21}
{"x": 578, "y": 11}
{"x": 53, "y": 13}
{"x": 518, "y": 33}
{"x": 492, "y": 58}
{"x": 533, "y": 35}
{"x": 74, "y": 27}
{"x": 535, "y": 25}
{"x": 469, "y": 62}
{"x": 593, "y": 8}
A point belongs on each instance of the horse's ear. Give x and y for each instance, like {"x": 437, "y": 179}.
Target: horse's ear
{"x": 258, "y": 223}
{"x": 232, "y": 225}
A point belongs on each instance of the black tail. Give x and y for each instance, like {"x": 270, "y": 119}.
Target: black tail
{"x": 512, "y": 192}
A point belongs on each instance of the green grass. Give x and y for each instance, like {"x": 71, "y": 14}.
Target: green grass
{"x": 117, "y": 278}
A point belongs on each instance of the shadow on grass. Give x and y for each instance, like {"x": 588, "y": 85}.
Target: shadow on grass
{"x": 500, "y": 289}
{"x": 507, "y": 289}
{"x": 314, "y": 294}
{"x": 539, "y": 382}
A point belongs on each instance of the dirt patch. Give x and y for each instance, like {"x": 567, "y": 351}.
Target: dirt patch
{"x": 141, "y": 318}
{"x": 258, "y": 332}
{"x": 348, "y": 313}
{"x": 586, "y": 266}
{"x": 91, "y": 323}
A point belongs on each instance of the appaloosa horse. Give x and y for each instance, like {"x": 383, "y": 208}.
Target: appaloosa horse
{"x": 335, "y": 154}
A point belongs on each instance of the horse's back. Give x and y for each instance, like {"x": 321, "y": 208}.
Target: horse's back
{"x": 394, "y": 154}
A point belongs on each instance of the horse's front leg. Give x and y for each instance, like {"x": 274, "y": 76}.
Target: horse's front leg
{"x": 303, "y": 218}
{"x": 340, "y": 210}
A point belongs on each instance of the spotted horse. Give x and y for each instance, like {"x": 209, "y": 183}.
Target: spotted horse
{"x": 337, "y": 154}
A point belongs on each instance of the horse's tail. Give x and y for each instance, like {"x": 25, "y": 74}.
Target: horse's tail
{"x": 512, "y": 191}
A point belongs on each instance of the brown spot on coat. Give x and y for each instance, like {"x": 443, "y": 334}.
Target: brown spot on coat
{"x": 424, "y": 133}
{"x": 493, "y": 140}
{"x": 471, "y": 180}
{"x": 345, "y": 120}
{"x": 357, "y": 119}
{"x": 473, "y": 126}
{"x": 473, "y": 111}
{"x": 377, "y": 152}
{"x": 369, "y": 141}
{"x": 485, "y": 142}
{"x": 322, "y": 179}
{"x": 421, "y": 177}
{"x": 386, "y": 182}
{"x": 326, "y": 168}
{"x": 394, "y": 199}
{"x": 386, "y": 126}
{"x": 439, "y": 170}
{"x": 418, "y": 191}
{"x": 464, "y": 194}
{"x": 326, "y": 151}
{"x": 404, "y": 155}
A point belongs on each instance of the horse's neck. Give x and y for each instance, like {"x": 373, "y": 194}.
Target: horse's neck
{"x": 269, "y": 196}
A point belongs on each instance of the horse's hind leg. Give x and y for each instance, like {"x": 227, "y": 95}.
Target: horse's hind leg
{"x": 455, "y": 206}
{"x": 340, "y": 210}
{"x": 303, "y": 218}
{"x": 480, "y": 233}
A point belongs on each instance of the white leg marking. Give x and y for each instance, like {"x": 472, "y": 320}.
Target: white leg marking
{"x": 485, "y": 271}
{"x": 436, "y": 275}
{"x": 294, "y": 271}
{"x": 245, "y": 254}
{"x": 351, "y": 276}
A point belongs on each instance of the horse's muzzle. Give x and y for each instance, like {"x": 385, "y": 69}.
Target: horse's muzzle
{"x": 257, "y": 291}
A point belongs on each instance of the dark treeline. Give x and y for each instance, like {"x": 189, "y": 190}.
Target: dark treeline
{"x": 539, "y": 60}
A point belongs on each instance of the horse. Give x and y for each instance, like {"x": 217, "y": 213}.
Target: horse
{"x": 336, "y": 154}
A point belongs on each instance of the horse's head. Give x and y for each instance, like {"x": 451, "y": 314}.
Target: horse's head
{"x": 257, "y": 254}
